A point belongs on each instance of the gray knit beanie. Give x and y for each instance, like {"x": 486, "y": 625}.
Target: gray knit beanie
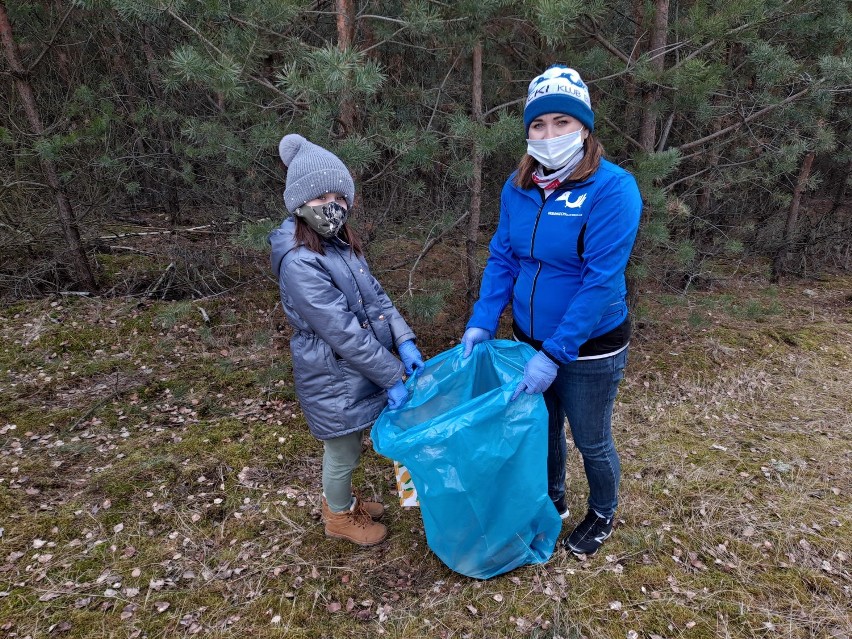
{"x": 311, "y": 172}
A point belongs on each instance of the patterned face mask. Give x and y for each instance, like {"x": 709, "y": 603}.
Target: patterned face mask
{"x": 327, "y": 219}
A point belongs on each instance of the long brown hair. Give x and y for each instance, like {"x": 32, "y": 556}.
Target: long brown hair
{"x": 593, "y": 152}
{"x": 310, "y": 239}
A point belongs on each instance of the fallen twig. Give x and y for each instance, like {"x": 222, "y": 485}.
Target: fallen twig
{"x": 428, "y": 247}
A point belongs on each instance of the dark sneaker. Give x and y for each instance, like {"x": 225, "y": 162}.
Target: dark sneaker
{"x": 589, "y": 535}
{"x": 562, "y": 508}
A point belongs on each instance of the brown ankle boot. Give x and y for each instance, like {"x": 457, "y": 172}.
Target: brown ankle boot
{"x": 373, "y": 508}
{"x": 354, "y": 525}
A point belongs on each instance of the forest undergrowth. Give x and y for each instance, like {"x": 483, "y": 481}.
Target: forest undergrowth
{"x": 157, "y": 480}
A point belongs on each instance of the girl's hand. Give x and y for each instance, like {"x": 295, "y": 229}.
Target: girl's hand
{"x": 411, "y": 357}
{"x": 397, "y": 395}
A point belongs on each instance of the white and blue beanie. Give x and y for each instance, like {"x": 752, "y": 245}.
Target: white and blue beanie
{"x": 312, "y": 171}
{"x": 559, "y": 90}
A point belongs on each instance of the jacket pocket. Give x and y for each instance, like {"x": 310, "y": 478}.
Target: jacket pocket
{"x": 312, "y": 362}
{"x": 357, "y": 387}
{"x": 615, "y": 309}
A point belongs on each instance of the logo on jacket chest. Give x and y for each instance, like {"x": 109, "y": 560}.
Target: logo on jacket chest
{"x": 576, "y": 203}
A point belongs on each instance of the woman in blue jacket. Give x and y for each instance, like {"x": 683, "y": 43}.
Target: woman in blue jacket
{"x": 568, "y": 220}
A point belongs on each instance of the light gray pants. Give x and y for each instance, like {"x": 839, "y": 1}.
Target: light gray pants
{"x": 340, "y": 458}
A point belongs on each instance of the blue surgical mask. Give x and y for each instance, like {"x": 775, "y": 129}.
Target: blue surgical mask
{"x": 554, "y": 153}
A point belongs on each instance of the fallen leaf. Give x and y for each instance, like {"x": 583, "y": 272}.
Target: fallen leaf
{"x": 64, "y": 626}
{"x": 334, "y": 606}
{"x": 161, "y": 606}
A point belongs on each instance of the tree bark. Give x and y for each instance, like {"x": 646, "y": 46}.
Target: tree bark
{"x": 70, "y": 230}
{"x": 476, "y": 185}
{"x": 840, "y": 191}
{"x": 780, "y": 263}
{"x": 345, "y": 39}
{"x": 172, "y": 204}
{"x": 656, "y": 51}
{"x": 631, "y": 87}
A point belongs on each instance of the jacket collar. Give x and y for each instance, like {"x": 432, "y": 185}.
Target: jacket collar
{"x": 535, "y": 193}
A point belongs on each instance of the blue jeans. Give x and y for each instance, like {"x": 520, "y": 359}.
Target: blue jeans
{"x": 584, "y": 391}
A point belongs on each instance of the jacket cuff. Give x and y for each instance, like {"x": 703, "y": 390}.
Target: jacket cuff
{"x": 551, "y": 357}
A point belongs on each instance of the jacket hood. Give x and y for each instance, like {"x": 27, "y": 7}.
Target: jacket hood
{"x": 282, "y": 240}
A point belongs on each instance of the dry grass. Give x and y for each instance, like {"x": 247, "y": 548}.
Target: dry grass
{"x": 156, "y": 480}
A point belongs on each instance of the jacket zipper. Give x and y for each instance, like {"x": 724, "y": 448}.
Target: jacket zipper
{"x": 559, "y": 189}
{"x": 538, "y": 270}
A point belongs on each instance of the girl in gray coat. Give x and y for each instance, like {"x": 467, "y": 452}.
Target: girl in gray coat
{"x": 345, "y": 329}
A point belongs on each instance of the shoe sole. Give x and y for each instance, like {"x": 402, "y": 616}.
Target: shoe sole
{"x": 355, "y": 541}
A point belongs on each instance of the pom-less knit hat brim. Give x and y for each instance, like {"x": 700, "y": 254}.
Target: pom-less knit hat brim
{"x": 312, "y": 171}
{"x": 558, "y": 104}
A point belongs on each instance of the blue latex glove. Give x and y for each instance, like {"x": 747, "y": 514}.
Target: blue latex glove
{"x": 472, "y": 337}
{"x": 397, "y": 395}
{"x": 411, "y": 357}
{"x": 539, "y": 374}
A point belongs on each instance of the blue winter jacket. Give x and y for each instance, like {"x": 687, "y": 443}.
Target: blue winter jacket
{"x": 561, "y": 261}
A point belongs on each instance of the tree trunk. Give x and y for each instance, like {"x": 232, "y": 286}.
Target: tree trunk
{"x": 476, "y": 185}
{"x": 631, "y": 87}
{"x": 840, "y": 191}
{"x": 345, "y": 39}
{"x": 234, "y": 177}
{"x": 779, "y": 264}
{"x": 172, "y": 204}
{"x": 656, "y": 51}
{"x": 67, "y": 220}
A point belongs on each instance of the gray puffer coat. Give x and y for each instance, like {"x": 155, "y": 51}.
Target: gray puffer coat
{"x": 345, "y": 327}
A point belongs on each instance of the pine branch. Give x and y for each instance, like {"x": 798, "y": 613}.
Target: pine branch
{"x": 52, "y": 40}
{"x": 744, "y": 121}
{"x": 440, "y": 90}
{"x": 263, "y": 82}
{"x": 733, "y": 31}
{"x": 622, "y": 133}
{"x": 503, "y": 106}
{"x": 385, "y": 41}
{"x": 385, "y": 18}
{"x": 428, "y": 247}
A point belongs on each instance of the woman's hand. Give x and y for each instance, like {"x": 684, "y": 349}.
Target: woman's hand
{"x": 539, "y": 374}
{"x": 472, "y": 337}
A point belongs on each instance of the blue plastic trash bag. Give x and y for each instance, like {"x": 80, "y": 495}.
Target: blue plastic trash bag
{"x": 478, "y": 460}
